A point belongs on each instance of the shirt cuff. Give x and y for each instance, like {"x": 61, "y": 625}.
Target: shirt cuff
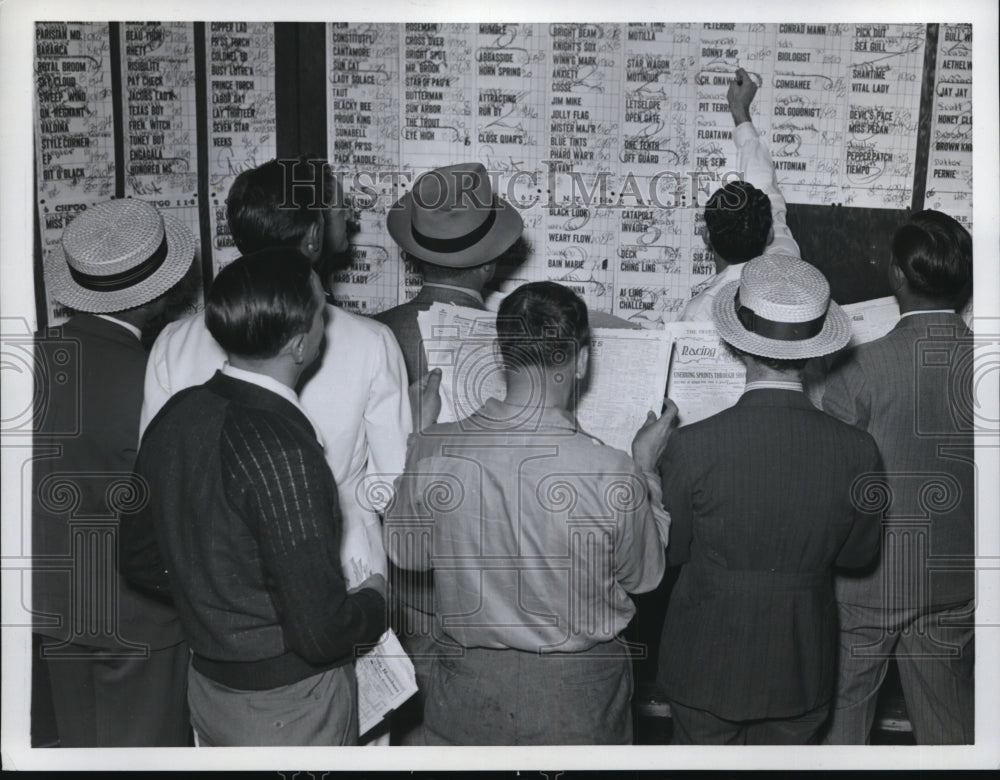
{"x": 745, "y": 131}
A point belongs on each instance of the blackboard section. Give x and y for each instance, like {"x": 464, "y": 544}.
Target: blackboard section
{"x": 850, "y": 246}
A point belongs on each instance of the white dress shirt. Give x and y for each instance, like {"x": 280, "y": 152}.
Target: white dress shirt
{"x": 753, "y": 159}
{"x": 357, "y": 399}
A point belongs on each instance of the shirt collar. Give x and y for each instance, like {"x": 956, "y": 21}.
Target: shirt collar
{"x": 927, "y": 311}
{"x": 127, "y": 325}
{"x": 269, "y": 383}
{"x": 471, "y": 293}
{"x": 511, "y": 417}
{"x": 773, "y": 384}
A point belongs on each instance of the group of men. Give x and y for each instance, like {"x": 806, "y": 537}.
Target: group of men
{"x": 254, "y": 551}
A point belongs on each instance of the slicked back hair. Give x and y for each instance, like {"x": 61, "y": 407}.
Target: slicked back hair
{"x": 265, "y": 210}
{"x": 934, "y": 252}
{"x": 259, "y": 302}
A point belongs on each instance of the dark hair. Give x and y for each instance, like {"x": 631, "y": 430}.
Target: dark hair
{"x": 778, "y": 364}
{"x": 934, "y": 252}
{"x": 542, "y": 324}
{"x": 738, "y": 218}
{"x": 260, "y": 301}
{"x": 274, "y": 204}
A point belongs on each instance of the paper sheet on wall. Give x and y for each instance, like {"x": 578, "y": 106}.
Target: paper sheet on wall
{"x": 610, "y": 137}
{"x": 705, "y": 376}
{"x": 386, "y": 679}
{"x": 74, "y": 128}
{"x": 628, "y": 371}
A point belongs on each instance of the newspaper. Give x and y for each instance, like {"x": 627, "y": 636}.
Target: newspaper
{"x": 705, "y": 376}
{"x": 872, "y": 319}
{"x": 386, "y": 679}
{"x": 628, "y": 378}
{"x": 628, "y": 371}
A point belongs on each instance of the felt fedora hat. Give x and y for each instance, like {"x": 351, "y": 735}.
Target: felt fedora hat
{"x": 452, "y": 217}
{"x": 780, "y": 308}
{"x": 118, "y": 255}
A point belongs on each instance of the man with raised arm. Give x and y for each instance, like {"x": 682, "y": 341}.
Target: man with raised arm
{"x": 743, "y": 219}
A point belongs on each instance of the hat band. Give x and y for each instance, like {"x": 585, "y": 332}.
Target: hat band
{"x": 125, "y": 279}
{"x": 772, "y": 329}
{"x": 460, "y": 243}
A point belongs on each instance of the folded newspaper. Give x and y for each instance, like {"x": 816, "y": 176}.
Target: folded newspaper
{"x": 628, "y": 371}
{"x": 386, "y": 679}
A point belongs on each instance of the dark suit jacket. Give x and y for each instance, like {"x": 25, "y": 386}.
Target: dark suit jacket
{"x": 86, "y": 437}
{"x": 912, "y": 391}
{"x": 402, "y": 320}
{"x": 761, "y": 507}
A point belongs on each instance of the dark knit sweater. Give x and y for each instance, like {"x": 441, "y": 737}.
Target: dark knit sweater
{"x": 242, "y": 529}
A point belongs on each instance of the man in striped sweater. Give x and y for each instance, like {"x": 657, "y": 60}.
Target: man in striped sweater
{"x": 242, "y": 527}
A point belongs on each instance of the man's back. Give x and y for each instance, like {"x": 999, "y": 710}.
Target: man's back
{"x": 100, "y": 409}
{"x": 402, "y": 320}
{"x": 565, "y": 514}
{"x": 760, "y": 497}
{"x": 356, "y": 396}
{"x": 909, "y": 390}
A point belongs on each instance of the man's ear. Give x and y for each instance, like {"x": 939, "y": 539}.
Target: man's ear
{"x": 296, "y": 348}
{"x": 706, "y": 237}
{"x": 896, "y": 276}
{"x": 312, "y": 243}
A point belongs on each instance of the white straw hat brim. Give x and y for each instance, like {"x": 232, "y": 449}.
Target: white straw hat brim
{"x": 505, "y": 231}
{"x": 64, "y": 288}
{"x": 835, "y": 334}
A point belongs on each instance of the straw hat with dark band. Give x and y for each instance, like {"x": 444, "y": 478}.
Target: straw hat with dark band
{"x": 451, "y": 217}
{"x": 118, "y": 255}
{"x": 781, "y": 308}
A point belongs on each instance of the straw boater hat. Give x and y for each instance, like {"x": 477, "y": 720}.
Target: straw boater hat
{"x": 118, "y": 255}
{"x": 452, "y": 218}
{"x": 780, "y": 308}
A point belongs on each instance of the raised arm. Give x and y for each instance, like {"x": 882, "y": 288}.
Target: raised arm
{"x": 754, "y": 161}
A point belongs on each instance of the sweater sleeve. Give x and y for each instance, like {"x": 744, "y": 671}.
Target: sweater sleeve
{"x": 281, "y": 485}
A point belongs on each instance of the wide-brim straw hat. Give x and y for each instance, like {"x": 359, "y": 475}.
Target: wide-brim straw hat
{"x": 118, "y": 255}
{"x": 781, "y": 308}
{"x": 452, "y": 217}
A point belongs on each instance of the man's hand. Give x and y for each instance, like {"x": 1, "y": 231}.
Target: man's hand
{"x": 425, "y": 400}
{"x": 741, "y": 93}
{"x": 375, "y": 582}
{"x": 651, "y": 439}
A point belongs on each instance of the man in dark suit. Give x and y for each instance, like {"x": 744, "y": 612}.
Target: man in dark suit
{"x": 115, "y": 658}
{"x": 762, "y": 509}
{"x": 912, "y": 391}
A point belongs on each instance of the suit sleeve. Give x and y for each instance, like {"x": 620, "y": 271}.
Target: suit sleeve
{"x": 677, "y": 501}
{"x": 753, "y": 159}
{"x": 862, "y": 543}
{"x": 284, "y": 490}
{"x": 845, "y": 394}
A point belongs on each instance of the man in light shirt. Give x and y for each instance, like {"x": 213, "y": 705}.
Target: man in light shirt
{"x": 357, "y": 394}
{"x": 743, "y": 219}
